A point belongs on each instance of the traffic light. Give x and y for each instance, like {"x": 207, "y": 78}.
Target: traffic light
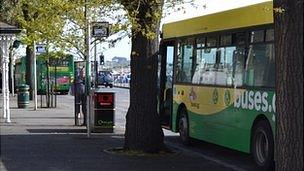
{"x": 101, "y": 59}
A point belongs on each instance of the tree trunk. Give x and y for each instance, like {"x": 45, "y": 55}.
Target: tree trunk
{"x": 28, "y": 70}
{"x": 288, "y": 18}
{"x": 143, "y": 129}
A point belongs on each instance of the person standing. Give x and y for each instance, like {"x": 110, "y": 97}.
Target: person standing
{"x": 80, "y": 94}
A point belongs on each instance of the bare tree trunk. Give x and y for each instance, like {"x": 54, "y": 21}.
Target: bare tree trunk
{"x": 143, "y": 129}
{"x": 289, "y": 84}
{"x": 29, "y": 68}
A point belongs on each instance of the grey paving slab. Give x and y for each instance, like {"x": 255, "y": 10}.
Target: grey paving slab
{"x": 46, "y": 139}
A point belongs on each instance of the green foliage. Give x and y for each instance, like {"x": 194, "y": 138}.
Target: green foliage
{"x": 62, "y": 22}
{"x": 57, "y": 22}
{"x": 52, "y": 55}
{"x": 6, "y": 11}
{"x": 41, "y": 19}
{"x": 145, "y": 16}
{"x": 98, "y": 10}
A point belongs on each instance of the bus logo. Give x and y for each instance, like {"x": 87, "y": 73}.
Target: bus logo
{"x": 192, "y": 95}
{"x": 192, "y": 98}
{"x": 215, "y": 96}
{"x": 227, "y": 97}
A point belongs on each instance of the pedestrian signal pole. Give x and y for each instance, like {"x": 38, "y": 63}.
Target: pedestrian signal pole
{"x": 35, "y": 76}
{"x": 87, "y": 66}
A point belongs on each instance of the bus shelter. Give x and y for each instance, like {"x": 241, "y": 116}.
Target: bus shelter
{"x": 7, "y": 36}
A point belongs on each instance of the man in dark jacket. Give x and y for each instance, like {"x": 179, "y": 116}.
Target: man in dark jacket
{"x": 80, "y": 94}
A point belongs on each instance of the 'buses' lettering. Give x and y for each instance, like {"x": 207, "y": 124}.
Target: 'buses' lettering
{"x": 254, "y": 101}
{"x": 245, "y": 100}
{"x": 264, "y": 102}
{"x": 251, "y": 100}
{"x": 237, "y": 99}
{"x": 257, "y": 100}
{"x": 274, "y": 103}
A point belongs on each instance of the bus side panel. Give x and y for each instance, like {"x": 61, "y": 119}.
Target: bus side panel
{"x": 63, "y": 78}
{"x": 223, "y": 116}
{"x": 211, "y": 129}
{"x": 174, "y": 117}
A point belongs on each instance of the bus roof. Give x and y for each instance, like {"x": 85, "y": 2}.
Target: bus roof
{"x": 253, "y": 15}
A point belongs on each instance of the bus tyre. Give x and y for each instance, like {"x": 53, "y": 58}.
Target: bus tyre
{"x": 184, "y": 127}
{"x": 262, "y": 146}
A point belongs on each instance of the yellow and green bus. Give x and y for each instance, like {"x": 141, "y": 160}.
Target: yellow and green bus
{"x": 217, "y": 80}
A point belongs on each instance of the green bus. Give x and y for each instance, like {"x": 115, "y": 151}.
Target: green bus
{"x": 217, "y": 80}
{"x": 19, "y": 71}
{"x": 61, "y": 73}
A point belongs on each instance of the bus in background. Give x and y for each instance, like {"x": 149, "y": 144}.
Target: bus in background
{"x": 61, "y": 76}
{"x": 217, "y": 80}
{"x": 19, "y": 72}
{"x": 61, "y": 73}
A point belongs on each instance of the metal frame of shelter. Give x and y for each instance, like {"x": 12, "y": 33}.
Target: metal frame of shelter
{"x": 7, "y": 37}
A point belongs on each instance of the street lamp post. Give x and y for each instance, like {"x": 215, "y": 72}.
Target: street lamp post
{"x": 99, "y": 29}
{"x": 87, "y": 67}
{"x": 35, "y": 76}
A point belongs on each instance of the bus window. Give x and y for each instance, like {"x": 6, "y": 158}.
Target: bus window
{"x": 211, "y": 41}
{"x": 238, "y": 66}
{"x": 269, "y": 35}
{"x": 199, "y": 68}
{"x": 169, "y": 66}
{"x": 200, "y": 42}
{"x": 199, "y": 64}
{"x": 238, "y": 38}
{"x": 184, "y": 65}
{"x": 224, "y": 73}
{"x": 257, "y": 36}
{"x": 226, "y": 40}
{"x": 205, "y": 66}
{"x": 260, "y": 70}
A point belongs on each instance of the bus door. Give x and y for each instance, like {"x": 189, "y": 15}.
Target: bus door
{"x": 165, "y": 83}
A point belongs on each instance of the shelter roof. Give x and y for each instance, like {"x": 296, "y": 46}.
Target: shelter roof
{"x": 8, "y": 29}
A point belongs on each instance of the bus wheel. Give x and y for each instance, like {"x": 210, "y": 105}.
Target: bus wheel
{"x": 262, "y": 145}
{"x": 184, "y": 127}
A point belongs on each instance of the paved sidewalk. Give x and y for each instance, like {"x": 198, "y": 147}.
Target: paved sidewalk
{"x": 47, "y": 139}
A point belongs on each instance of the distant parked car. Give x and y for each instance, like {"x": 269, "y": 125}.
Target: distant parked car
{"x": 105, "y": 78}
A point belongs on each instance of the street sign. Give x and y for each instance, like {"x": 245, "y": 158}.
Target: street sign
{"x": 100, "y": 29}
{"x": 40, "y": 49}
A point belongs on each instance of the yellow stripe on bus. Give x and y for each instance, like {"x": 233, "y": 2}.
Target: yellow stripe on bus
{"x": 204, "y": 100}
{"x": 253, "y": 15}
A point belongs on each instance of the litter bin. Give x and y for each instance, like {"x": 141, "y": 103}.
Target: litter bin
{"x": 103, "y": 112}
{"x": 23, "y": 96}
